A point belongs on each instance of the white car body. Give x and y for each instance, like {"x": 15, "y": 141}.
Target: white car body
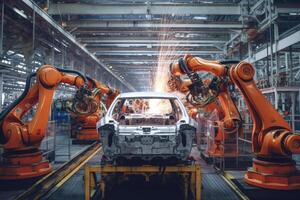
{"x": 139, "y": 135}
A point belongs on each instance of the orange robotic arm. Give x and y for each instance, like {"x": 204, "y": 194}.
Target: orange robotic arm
{"x": 229, "y": 114}
{"x": 229, "y": 121}
{"x": 198, "y": 64}
{"x": 85, "y": 129}
{"x": 102, "y": 89}
{"x": 176, "y": 84}
{"x": 19, "y": 135}
{"x": 21, "y": 140}
{"x": 273, "y": 141}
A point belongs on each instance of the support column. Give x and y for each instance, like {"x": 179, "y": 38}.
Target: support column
{"x": 268, "y": 67}
{"x": 286, "y": 61}
{"x": 271, "y": 39}
{"x": 98, "y": 75}
{"x": 292, "y": 114}
{"x": 83, "y": 68}
{"x": 33, "y": 31}
{"x": 1, "y": 90}
{"x": 291, "y": 63}
{"x": 115, "y": 82}
{"x": 95, "y": 71}
{"x": 276, "y": 97}
{"x": 276, "y": 39}
{"x": 72, "y": 62}
{"x": 63, "y": 55}
{"x": 250, "y": 56}
{"x": 2, "y": 28}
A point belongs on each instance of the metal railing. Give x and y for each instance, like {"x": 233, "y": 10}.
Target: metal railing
{"x": 277, "y": 81}
{"x": 236, "y": 147}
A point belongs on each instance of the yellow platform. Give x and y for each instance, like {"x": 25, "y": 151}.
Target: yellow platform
{"x": 191, "y": 174}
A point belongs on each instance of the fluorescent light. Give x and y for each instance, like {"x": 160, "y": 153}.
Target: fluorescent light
{"x": 207, "y": 2}
{"x": 21, "y": 82}
{"x": 200, "y": 17}
{"x": 20, "y": 12}
{"x": 56, "y": 49}
{"x": 20, "y": 55}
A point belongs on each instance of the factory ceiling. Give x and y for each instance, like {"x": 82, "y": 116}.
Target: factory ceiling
{"x": 133, "y": 38}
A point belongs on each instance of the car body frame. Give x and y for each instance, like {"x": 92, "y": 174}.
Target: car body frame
{"x": 165, "y": 134}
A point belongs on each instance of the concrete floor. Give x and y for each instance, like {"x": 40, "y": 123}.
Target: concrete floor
{"x": 63, "y": 154}
{"x": 214, "y": 186}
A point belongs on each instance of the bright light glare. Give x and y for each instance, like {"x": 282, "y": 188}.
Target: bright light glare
{"x": 159, "y": 106}
{"x": 21, "y": 82}
{"x": 167, "y": 55}
{"x": 200, "y": 17}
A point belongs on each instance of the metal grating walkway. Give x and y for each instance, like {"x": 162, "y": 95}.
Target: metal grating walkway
{"x": 215, "y": 188}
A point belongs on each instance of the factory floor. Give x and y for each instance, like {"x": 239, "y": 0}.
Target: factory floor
{"x": 213, "y": 185}
{"x": 64, "y": 151}
{"x": 256, "y": 193}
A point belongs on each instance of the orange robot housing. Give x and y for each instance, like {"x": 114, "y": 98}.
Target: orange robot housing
{"x": 273, "y": 141}
{"x": 229, "y": 123}
{"x": 22, "y": 158}
{"x": 85, "y": 129}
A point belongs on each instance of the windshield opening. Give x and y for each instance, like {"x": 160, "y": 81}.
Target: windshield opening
{"x": 147, "y": 111}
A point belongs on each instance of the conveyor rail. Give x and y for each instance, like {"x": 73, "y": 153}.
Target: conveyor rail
{"x": 61, "y": 175}
{"x": 192, "y": 171}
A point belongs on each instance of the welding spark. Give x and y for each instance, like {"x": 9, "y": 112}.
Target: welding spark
{"x": 168, "y": 53}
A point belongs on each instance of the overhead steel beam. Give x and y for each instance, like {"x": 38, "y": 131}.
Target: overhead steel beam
{"x": 132, "y": 62}
{"x": 137, "y": 69}
{"x": 139, "y": 79}
{"x": 282, "y": 44}
{"x": 121, "y": 67}
{"x": 144, "y": 9}
{"x": 288, "y": 10}
{"x": 132, "y": 41}
{"x": 113, "y": 59}
{"x": 150, "y": 24}
{"x": 142, "y": 48}
{"x": 44, "y": 16}
{"x": 155, "y": 53}
{"x": 134, "y": 45}
{"x": 256, "y": 5}
{"x": 135, "y": 60}
{"x": 146, "y": 32}
{"x": 140, "y": 72}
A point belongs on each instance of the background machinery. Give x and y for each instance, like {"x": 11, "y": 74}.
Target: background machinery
{"x": 273, "y": 141}
{"x": 22, "y": 158}
{"x": 84, "y": 126}
{"x": 220, "y": 115}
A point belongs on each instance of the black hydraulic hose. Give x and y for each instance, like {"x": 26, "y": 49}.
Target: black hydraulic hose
{"x": 227, "y": 62}
{"x": 26, "y": 89}
{"x": 194, "y": 77}
{"x": 18, "y": 100}
{"x": 162, "y": 170}
{"x": 92, "y": 80}
{"x": 23, "y": 95}
{"x": 74, "y": 72}
{"x": 184, "y": 67}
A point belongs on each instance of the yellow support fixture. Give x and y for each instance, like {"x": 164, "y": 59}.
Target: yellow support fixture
{"x": 228, "y": 179}
{"x": 193, "y": 170}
